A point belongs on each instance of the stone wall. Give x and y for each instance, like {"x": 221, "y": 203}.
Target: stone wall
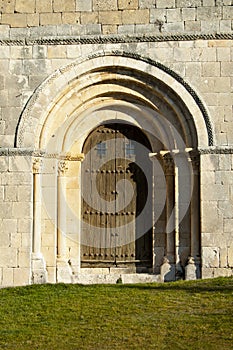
{"x": 192, "y": 39}
{"x": 205, "y": 64}
{"x": 120, "y": 16}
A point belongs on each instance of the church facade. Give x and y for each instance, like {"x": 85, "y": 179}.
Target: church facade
{"x": 116, "y": 141}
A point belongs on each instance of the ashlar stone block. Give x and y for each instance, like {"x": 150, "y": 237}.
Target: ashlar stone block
{"x": 104, "y": 5}
{"x": 21, "y": 209}
{"x": 230, "y": 256}
{"x": 127, "y": 4}
{"x": 7, "y": 277}
{"x": 21, "y": 276}
{"x": 7, "y": 6}
{"x": 228, "y": 225}
{"x": 63, "y": 6}
{"x": 188, "y": 14}
{"x": 173, "y": 15}
{"x": 25, "y": 6}
{"x": 147, "y": 4}
{"x": 8, "y": 257}
{"x": 110, "y": 17}
{"x": 223, "y": 257}
{"x": 211, "y": 69}
{"x": 50, "y": 18}
{"x": 210, "y": 257}
{"x": 24, "y": 258}
{"x": 135, "y": 17}
{"x": 89, "y": 17}
{"x": 227, "y": 69}
{"x": 212, "y": 220}
{"x": 188, "y": 3}
{"x": 83, "y": 5}
{"x": 165, "y": 4}
{"x": 20, "y": 164}
{"x": 9, "y": 226}
{"x": 44, "y": 6}
{"x": 228, "y": 12}
{"x": 33, "y": 20}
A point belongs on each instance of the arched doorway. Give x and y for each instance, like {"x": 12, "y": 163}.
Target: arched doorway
{"x": 57, "y": 120}
{"x": 117, "y": 199}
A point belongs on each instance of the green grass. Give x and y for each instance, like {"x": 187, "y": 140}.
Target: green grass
{"x": 180, "y": 315}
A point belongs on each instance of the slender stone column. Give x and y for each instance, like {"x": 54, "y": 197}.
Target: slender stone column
{"x": 193, "y": 269}
{"x": 79, "y": 158}
{"x": 179, "y": 158}
{"x": 39, "y": 273}
{"x": 61, "y": 209}
{"x": 64, "y": 273}
{"x": 168, "y": 269}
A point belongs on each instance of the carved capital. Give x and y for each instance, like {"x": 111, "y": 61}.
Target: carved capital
{"x": 62, "y": 167}
{"x": 168, "y": 164}
{"x": 195, "y": 160}
{"x": 37, "y": 165}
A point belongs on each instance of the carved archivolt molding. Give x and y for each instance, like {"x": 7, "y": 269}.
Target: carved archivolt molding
{"x": 56, "y": 84}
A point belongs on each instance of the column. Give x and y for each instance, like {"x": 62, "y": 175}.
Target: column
{"x": 168, "y": 268}
{"x": 79, "y": 158}
{"x": 64, "y": 273}
{"x": 193, "y": 268}
{"x": 39, "y": 273}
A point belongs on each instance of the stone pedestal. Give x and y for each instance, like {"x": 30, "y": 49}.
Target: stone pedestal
{"x": 193, "y": 269}
{"x": 64, "y": 271}
{"x": 168, "y": 271}
{"x": 39, "y": 272}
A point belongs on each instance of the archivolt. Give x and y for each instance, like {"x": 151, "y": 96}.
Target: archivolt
{"x": 112, "y": 81}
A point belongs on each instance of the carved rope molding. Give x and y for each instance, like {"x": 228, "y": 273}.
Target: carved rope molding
{"x": 119, "y": 53}
{"x": 113, "y": 39}
{"x": 11, "y": 152}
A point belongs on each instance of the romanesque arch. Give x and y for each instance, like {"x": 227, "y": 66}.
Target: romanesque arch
{"x": 125, "y": 89}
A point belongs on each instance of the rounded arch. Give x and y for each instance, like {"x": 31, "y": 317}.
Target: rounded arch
{"x": 113, "y": 85}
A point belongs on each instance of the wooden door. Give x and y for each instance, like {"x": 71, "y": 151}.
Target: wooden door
{"x": 116, "y": 198}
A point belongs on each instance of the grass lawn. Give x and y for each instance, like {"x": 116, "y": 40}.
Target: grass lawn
{"x": 178, "y": 315}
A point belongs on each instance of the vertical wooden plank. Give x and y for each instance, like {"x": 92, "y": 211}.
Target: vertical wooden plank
{"x": 120, "y": 194}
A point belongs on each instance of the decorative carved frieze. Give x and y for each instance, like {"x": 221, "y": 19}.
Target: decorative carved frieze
{"x": 112, "y": 39}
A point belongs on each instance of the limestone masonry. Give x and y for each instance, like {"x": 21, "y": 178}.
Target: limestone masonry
{"x": 70, "y": 69}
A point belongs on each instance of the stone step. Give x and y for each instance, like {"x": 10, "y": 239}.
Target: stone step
{"x": 116, "y": 278}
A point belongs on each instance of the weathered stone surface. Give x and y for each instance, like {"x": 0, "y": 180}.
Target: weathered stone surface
{"x": 127, "y": 4}
{"x": 25, "y": 6}
{"x": 53, "y": 44}
{"x": 210, "y": 257}
{"x": 44, "y": 6}
{"x": 104, "y": 5}
{"x": 230, "y": 256}
{"x": 63, "y": 6}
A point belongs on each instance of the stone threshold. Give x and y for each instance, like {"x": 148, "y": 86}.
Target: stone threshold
{"x": 115, "y": 278}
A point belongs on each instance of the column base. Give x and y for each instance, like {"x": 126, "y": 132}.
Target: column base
{"x": 39, "y": 272}
{"x": 193, "y": 269}
{"x": 168, "y": 271}
{"x": 64, "y": 272}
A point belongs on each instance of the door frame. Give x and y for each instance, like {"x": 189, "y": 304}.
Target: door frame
{"x": 144, "y": 145}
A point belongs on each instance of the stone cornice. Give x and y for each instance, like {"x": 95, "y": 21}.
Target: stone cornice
{"x": 216, "y": 150}
{"x": 111, "y": 39}
{"x": 29, "y": 152}
{"x": 79, "y": 157}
